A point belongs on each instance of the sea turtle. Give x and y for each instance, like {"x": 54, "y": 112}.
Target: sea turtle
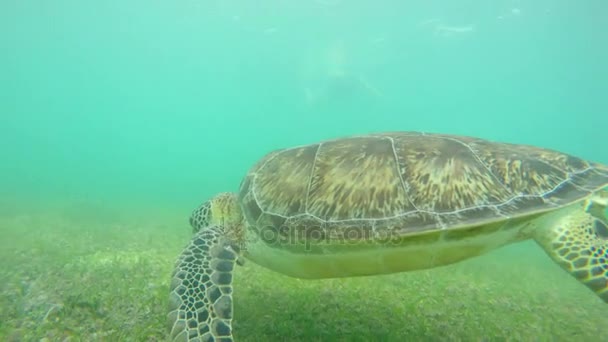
{"x": 384, "y": 203}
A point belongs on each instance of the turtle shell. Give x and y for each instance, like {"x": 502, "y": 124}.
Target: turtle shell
{"x": 409, "y": 183}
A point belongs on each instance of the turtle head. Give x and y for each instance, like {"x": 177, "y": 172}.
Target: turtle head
{"x": 223, "y": 209}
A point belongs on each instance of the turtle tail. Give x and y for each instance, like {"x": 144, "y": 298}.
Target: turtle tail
{"x": 201, "y": 289}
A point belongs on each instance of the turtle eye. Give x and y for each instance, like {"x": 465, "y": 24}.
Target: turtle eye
{"x": 201, "y": 217}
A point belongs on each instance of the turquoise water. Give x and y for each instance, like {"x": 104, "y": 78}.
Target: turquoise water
{"x": 123, "y": 106}
{"x": 172, "y": 101}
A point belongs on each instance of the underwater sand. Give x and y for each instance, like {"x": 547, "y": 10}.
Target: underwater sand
{"x": 76, "y": 279}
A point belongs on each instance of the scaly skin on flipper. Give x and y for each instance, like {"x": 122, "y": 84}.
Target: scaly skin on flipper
{"x": 578, "y": 242}
{"x": 201, "y": 287}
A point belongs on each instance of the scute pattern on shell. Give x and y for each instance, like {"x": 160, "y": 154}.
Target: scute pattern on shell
{"x": 411, "y": 182}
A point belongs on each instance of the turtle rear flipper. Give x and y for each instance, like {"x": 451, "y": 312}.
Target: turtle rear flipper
{"x": 201, "y": 289}
{"x": 578, "y": 242}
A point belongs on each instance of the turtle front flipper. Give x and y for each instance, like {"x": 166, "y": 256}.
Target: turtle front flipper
{"x": 201, "y": 289}
{"x": 578, "y": 242}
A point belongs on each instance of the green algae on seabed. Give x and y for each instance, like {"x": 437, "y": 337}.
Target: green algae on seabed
{"x": 65, "y": 280}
